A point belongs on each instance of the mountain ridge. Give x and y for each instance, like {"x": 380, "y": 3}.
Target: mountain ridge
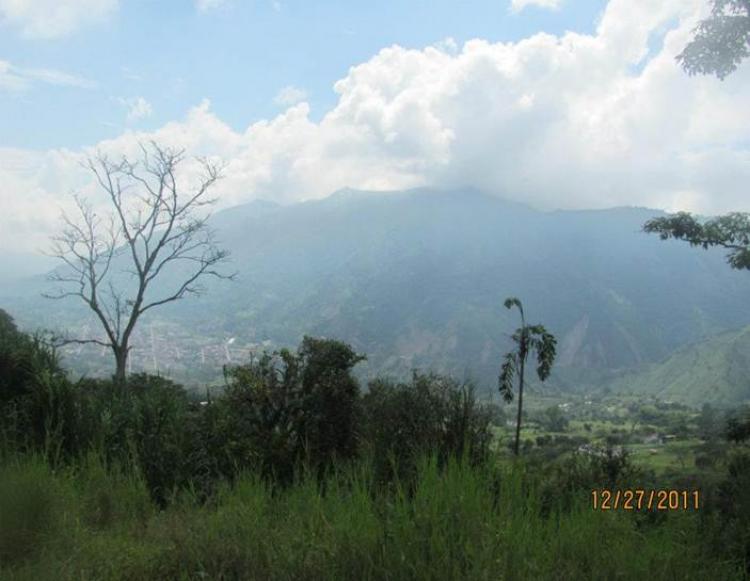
{"x": 416, "y": 279}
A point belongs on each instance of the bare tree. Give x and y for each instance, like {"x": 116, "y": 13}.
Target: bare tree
{"x": 151, "y": 226}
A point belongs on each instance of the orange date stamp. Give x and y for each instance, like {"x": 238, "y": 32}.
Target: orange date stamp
{"x": 645, "y": 499}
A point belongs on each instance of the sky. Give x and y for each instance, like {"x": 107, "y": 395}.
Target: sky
{"x": 554, "y": 103}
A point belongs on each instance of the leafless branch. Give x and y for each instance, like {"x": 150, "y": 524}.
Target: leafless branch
{"x": 150, "y": 226}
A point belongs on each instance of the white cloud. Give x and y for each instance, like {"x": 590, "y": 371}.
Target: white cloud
{"x": 54, "y": 18}
{"x": 290, "y": 95}
{"x": 138, "y": 108}
{"x": 14, "y": 78}
{"x": 30, "y": 193}
{"x": 518, "y": 5}
{"x": 576, "y": 121}
{"x": 208, "y": 5}
{"x": 448, "y": 45}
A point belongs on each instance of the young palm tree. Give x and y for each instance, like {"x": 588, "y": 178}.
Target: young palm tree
{"x": 528, "y": 339}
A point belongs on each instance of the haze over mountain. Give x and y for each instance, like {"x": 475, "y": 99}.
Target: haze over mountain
{"x": 19, "y": 265}
{"x": 416, "y": 279}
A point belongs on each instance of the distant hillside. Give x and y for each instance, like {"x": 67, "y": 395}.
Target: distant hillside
{"x": 15, "y": 266}
{"x": 417, "y": 279}
{"x": 715, "y": 370}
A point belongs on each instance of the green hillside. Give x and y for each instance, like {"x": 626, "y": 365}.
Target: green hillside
{"x": 716, "y": 370}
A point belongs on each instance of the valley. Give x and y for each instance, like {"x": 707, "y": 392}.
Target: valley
{"x": 415, "y": 280}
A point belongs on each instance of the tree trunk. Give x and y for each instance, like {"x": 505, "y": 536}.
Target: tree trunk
{"x": 121, "y": 361}
{"x": 520, "y": 407}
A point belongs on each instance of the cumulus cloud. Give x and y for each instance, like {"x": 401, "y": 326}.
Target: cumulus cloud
{"x": 30, "y": 199}
{"x": 518, "y": 5}
{"x": 571, "y": 121}
{"x": 14, "y": 78}
{"x": 290, "y": 95}
{"x": 54, "y": 18}
{"x": 138, "y": 108}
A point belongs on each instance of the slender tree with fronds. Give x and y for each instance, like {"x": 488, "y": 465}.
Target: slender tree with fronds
{"x": 528, "y": 339}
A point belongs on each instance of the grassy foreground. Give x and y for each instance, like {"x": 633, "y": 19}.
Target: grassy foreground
{"x": 460, "y": 522}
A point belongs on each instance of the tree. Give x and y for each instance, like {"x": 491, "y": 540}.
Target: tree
{"x": 331, "y": 394}
{"x": 528, "y": 339}
{"x": 431, "y": 414}
{"x": 554, "y": 419}
{"x": 153, "y": 228}
{"x": 731, "y": 232}
{"x": 738, "y": 425}
{"x": 721, "y": 41}
{"x": 287, "y": 407}
{"x": 707, "y": 422}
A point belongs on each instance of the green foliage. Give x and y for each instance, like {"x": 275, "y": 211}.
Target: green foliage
{"x": 331, "y": 396}
{"x": 598, "y": 467}
{"x": 156, "y": 486}
{"x": 110, "y": 494}
{"x": 708, "y": 422}
{"x": 431, "y": 414}
{"x": 39, "y": 409}
{"x": 554, "y": 419}
{"x": 738, "y": 425}
{"x": 528, "y": 339}
{"x": 28, "y": 509}
{"x": 145, "y": 423}
{"x": 22, "y": 359}
{"x": 286, "y": 407}
{"x": 721, "y": 41}
{"x": 733, "y": 500}
{"x": 157, "y": 410}
{"x": 458, "y": 522}
{"x": 731, "y": 231}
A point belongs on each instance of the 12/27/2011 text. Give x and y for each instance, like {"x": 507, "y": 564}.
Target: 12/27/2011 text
{"x": 644, "y": 499}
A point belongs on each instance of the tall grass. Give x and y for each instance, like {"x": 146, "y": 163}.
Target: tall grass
{"x": 457, "y": 522}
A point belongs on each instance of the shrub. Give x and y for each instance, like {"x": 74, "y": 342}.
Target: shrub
{"x": 146, "y": 424}
{"x": 28, "y": 509}
{"x": 734, "y": 507}
{"x": 108, "y": 496}
{"x": 553, "y": 419}
{"x": 39, "y": 407}
{"x": 432, "y": 413}
{"x": 573, "y": 477}
{"x": 287, "y": 407}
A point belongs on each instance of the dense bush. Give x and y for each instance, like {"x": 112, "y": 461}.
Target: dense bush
{"x": 40, "y": 409}
{"x": 29, "y": 511}
{"x": 277, "y": 412}
{"x": 553, "y": 419}
{"x": 733, "y": 504}
{"x": 738, "y": 425}
{"x": 286, "y": 408}
{"x": 432, "y": 413}
{"x": 568, "y": 478}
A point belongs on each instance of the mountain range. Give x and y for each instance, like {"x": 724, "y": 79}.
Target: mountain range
{"x": 417, "y": 279}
